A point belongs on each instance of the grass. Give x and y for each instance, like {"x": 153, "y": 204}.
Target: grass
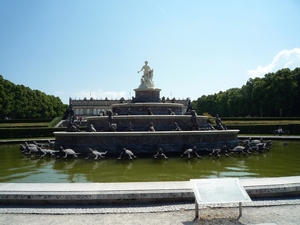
{"x": 22, "y": 125}
{"x": 31, "y": 124}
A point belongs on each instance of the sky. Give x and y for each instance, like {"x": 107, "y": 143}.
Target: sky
{"x": 93, "y": 48}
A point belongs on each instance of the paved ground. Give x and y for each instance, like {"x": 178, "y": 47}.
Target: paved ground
{"x": 263, "y": 211}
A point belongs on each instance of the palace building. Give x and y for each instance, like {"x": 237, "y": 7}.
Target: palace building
{"x": 95, "y": 107}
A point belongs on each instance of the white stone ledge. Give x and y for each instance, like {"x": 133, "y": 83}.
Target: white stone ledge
{"x": 133, "y": 192}
{"x": 146, "y": 133}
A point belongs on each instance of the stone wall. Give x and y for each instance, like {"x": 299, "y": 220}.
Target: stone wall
{"x": 146, "y": 142}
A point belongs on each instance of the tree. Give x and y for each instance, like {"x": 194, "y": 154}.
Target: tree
{"x": 19, "y": 102}
{"x": 276, "y": 94}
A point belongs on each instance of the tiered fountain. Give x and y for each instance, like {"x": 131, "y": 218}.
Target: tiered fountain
{"x": 147, "y": 124}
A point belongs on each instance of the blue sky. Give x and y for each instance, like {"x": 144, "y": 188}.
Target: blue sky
{"x": 85, "y": 48}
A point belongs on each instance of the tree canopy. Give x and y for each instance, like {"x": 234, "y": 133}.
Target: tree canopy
{"x": 274, "y": 95}
{"x": 20, "y": 102}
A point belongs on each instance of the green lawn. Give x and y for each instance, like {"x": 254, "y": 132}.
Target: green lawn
{"x": 20, "y": 125}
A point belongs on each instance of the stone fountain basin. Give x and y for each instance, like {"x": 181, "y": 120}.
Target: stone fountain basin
{"x": 146, "y": 142}
{"x": 141, "y": 122}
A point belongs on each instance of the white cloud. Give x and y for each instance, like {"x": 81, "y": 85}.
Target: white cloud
{"x": 161, "y": 9}
{"x": 284, "y": 59}
{"x": 99, "y": 94}
{"x": 60, "y": 92}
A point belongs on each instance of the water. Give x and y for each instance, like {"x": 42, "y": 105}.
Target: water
{"x": 282, "y": 160}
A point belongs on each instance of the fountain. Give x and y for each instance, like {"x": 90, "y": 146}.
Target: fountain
{"x": 145, "y": 125}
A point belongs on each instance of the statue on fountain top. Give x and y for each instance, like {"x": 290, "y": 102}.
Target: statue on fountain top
{"x": 146, "y": 80}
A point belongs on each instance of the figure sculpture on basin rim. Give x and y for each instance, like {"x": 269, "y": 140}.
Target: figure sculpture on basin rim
{"x": 126, "y": 154}
{"x": 160, "y": 154}
{"x": 190, "y": 152}
{"x": 194, "y": 121}
{"x": 220, "y": 125}
{"x": 146, "y": 80}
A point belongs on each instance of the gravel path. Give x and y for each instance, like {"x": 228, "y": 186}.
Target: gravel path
{"x": 283, "y": 211}
{"x": 283, "y": 215}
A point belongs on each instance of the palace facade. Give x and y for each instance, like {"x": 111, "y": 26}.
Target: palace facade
{"x": 95, "y": 107}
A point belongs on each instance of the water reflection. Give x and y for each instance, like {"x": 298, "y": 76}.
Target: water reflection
{"x": 282, "y": 160}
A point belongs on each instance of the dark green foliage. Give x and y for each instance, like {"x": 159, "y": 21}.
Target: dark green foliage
{"x": 20, "y": 102}
{"x": 274, "y": 95}
{"x": 259, "y": 118}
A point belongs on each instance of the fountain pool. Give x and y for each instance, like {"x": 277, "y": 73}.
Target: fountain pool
{"x": 282, "y": 160}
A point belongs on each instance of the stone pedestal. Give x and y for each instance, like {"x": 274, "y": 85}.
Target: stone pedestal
{"x": 147, "y": 95}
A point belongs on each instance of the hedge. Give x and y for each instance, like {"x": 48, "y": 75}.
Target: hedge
{"x": 259, "y": 118}
{"x": 8, "y": 133}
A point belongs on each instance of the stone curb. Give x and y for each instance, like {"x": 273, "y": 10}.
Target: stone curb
{"x": 136, "y": 208}
{"x": 139, "y": 192}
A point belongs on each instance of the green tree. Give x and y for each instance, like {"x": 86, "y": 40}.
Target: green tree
{"x": 276, "y": 94}
{"x": 18, "y": 102}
